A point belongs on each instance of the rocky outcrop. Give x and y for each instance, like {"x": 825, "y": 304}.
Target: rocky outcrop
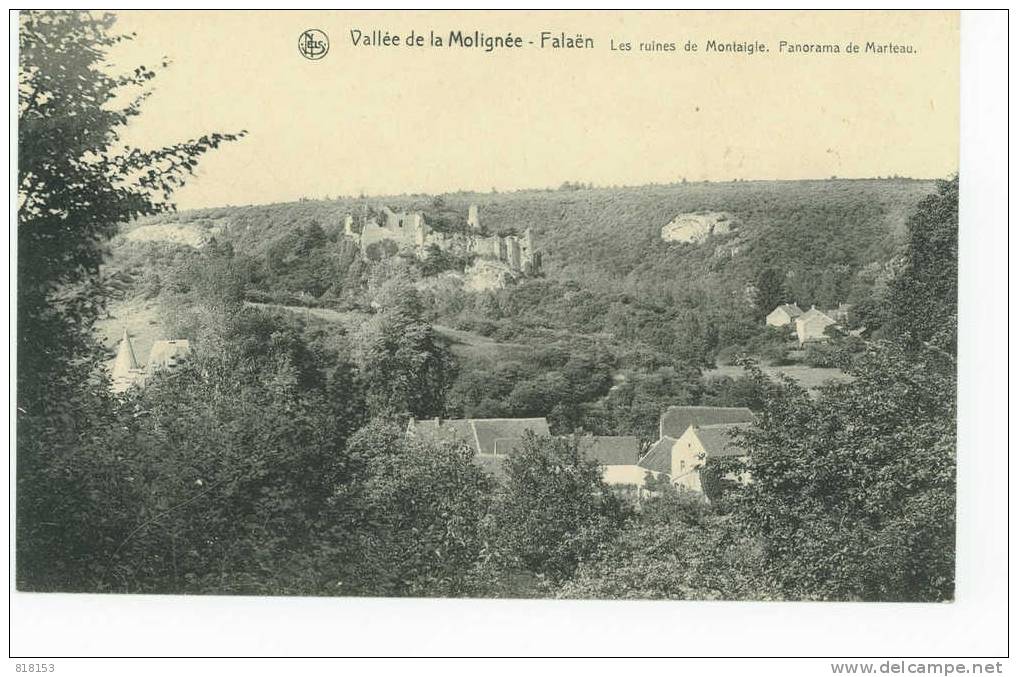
{"x": 487, "y": 275}
{"x": 696, "y": 228}
{"x": 194, "y": 235}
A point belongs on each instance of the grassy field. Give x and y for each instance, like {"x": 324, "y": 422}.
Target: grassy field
{"x": 806, "y": 376}
{"x": 464, "y": 344}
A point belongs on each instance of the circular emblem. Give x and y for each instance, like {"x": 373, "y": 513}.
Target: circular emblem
{"x": 313, "y": 44}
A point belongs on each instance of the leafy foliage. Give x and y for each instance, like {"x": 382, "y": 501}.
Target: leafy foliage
{"x": 76, "y": 182}
{"x": 420, "y": 515}
{"x": 769, "y": 292}
{"x": 675, "y": 549}
{"x": 406, "y": 367}
{"x": 853, "y": 492}
{"x": 924, "y": 297}
{"x": 553, "y": 511}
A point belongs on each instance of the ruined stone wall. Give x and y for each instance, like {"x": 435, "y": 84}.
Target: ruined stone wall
{"x": 411, "y": 233}
{"x": 373, "y": 233}
{"x": 487, "y": 247}
{"x": 512, "y": 246}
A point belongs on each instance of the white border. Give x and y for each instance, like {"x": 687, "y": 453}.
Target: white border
{"x": 975, "y": 625}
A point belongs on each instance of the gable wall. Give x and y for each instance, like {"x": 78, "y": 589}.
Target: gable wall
{"x": 686, "y": 460}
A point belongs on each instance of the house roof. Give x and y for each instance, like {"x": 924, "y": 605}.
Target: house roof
{"x": 479, "y": 433}
{"x": 814, "y": 314}
{"x": 487, "y": 430}
{"x": 717, "y": 440}
{"x": 168, "y": 353}
{"x": 792, "y": 309}
{"x": 438, "y": 430}
{"x": 611, "y": 450}
{"x": 659, "y": 457}
{"x": 507, "y": 445}
{"x": 676, "y": 420}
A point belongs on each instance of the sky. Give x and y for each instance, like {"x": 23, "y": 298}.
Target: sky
{"x": 380, "y": 121}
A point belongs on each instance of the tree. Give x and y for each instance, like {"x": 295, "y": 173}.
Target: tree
{"x": 406, "y": 368}
{"x": 769, "y": 292}
{"x": 924, "y": 296}
{"x": 76, "y": 184}
{"x": 853, "y": 493}
{"x": 553, "y": 511}
{"x": 218, "y": 475}
{"x": 675, "y": 548}
{"x": 419, "y": 518}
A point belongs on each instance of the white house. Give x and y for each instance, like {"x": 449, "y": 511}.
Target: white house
{"x": 811, "y": 325}
{"x": 681, "y": 459}
{"x": 783, "y": 315}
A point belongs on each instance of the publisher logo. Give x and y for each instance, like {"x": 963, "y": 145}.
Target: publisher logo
{"x": 313, "y": 44}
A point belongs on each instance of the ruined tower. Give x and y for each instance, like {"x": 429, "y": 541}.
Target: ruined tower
{"x": 529, "y": 257}
{"x": 513, "y": 252}
{"x": 473, "y": 219}
{"x": 420, "y": 230}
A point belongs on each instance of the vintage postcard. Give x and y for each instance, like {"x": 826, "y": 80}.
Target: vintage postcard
{"x": 561, "y": 305}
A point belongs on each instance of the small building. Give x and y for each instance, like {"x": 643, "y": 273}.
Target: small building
{"x": 675, "y": 420}
{"x": 700, "y": 444}
{"x": 486, "y": 436}
{"x": 812, "y": 325}
{"x": 619, "y": 457}
{"x": 632, "y": 475}
{"x": 492, "y": 439}
{"x": 168, "y": 354}
{"x": 611, "y": 450}
{"x": 663, "y": 457}
{"x": 783, "y": 315}
{"x": 165, "y": 354}
{"x": 683, "y": 458}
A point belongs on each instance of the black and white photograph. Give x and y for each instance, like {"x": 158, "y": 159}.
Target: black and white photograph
{"x": 432, "y": 305}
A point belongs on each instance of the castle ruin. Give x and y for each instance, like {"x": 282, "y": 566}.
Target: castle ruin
{"x": 412, "y": 235}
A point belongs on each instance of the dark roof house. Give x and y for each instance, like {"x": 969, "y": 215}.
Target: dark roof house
{"x": 676, "y": 420}
{"x": 659, "y": 457}
{"x": 611, "y": 450}
{"x": 479, "y": 433}
{"x": 717, "y": 440}
{"x": 487, "y": 430}
{"x": 442, "y": 430}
